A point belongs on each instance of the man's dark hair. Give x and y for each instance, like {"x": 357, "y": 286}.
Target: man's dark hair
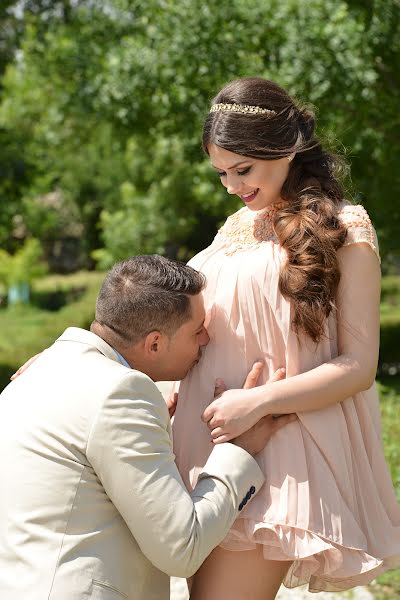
{"x": 146, "y": 293}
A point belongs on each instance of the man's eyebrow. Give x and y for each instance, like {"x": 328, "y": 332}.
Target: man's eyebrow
{"x": 233, "y": 166}
{"x": 200, "y": 326}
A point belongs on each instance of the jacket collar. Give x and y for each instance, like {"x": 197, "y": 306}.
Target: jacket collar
{"x": 82, "y": 336}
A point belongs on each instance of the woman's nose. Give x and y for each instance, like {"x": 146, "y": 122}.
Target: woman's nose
{"x": 232, "y": 184}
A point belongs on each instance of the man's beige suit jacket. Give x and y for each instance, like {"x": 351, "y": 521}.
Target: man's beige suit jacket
{"x": 91, "y": 502}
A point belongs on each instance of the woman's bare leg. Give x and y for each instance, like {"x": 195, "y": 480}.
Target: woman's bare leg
{"x": 227, "y": 575}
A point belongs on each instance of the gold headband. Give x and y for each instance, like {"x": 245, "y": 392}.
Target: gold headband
{"x": 246, "y": 109}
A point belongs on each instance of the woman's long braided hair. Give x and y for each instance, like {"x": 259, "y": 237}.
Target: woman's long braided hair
{"x": 308, "y": 227}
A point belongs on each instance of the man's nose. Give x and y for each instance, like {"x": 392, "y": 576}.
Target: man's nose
{"x": 204, "y": 338}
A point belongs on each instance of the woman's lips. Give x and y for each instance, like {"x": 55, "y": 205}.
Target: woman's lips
{"x": 249, "y": 197}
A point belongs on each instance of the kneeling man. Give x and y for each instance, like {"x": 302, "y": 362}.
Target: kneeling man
{"x": 92, "y": 504}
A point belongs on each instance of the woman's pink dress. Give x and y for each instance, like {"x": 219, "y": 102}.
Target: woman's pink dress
{"x": 328, "y": 503}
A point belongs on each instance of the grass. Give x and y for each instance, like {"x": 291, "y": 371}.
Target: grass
{"x": 387, "y": 586}
{"x": 389, "y": 394}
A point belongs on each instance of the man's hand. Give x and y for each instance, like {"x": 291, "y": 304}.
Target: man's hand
{"x": 256, "y": 438}
{"x": 172, "y": 401}
{"x": 234, "y": 411}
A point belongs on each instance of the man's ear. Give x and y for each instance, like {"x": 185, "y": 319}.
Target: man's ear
{"x": 154, "y": 344}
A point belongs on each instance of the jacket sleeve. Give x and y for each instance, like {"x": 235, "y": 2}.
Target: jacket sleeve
{"x": 130, "y": 448}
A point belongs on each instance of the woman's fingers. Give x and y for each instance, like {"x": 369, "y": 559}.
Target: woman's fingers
{"x": 222, "y": 438}
{"x": 253, "y": 376}
{"x": 24, "y": 366}
{"x": 268, "y": 424}
{"x": 213, "y": 423}
{"x": 217, "y": 432}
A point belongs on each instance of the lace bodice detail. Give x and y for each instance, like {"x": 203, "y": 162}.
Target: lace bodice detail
{"x": 246, "y": 230}
{"x": 359, "y": 227}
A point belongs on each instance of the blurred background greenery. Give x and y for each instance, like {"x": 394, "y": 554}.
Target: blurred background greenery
{"x": 101, "y": 110}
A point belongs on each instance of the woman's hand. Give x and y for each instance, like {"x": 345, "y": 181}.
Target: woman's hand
{"x": 25, "y": 366}
{"x": 235, "y": 411}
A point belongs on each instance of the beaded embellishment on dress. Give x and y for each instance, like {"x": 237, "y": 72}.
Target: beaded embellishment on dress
{"x": 246, "y": 230}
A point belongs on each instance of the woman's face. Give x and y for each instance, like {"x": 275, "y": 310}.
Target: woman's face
{"x": 257, "y": 182}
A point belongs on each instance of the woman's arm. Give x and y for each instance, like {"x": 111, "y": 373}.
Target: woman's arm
{"x": 351, "y": 372}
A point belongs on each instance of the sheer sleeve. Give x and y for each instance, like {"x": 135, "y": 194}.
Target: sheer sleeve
{"x": 359, "y": 227}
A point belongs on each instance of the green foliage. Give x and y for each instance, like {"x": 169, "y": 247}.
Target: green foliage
{"x": 390, "y": 324}
{"x": 51, "y": 216}
{"x": 106, "y": 101}
{"x": 389, "y": 393}
{"x": 131, "y": 229}
{"x": 25, "y": 331}
{"x": 390, "y": 300}
{"x": 23, "y": 266}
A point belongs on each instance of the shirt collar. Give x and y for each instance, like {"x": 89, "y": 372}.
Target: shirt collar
{"x": 122, "y": 359}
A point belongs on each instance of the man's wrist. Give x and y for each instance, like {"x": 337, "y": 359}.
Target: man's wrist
{"x": 246, "y": 447}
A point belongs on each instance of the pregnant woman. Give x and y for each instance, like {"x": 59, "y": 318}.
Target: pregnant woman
{"x": 294, "y": 281}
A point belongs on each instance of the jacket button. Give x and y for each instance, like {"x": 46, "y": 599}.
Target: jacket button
{"x": 252, "y": 490}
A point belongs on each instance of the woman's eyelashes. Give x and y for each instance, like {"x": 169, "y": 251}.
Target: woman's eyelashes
{"x": 240, "y": 173}
{"x": 245, "y": 171}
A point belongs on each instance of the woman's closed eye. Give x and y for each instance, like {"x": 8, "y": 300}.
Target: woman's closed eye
{"x": 240, "y": 173}
{"x": 244, "y": 171}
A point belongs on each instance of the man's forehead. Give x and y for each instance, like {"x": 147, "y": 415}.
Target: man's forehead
{"x": 198, "y": 311}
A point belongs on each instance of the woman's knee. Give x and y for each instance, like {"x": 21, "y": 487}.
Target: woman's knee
{"x": 238, "y": 576}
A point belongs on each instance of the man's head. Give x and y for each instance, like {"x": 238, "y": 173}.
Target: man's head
{"x": 151, "y": 310}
